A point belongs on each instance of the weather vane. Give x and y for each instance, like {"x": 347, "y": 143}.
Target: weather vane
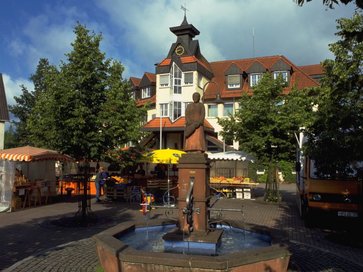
{"x": 184, "y": 7}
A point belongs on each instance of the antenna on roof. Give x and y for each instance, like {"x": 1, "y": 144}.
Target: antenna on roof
{"x": 253, "y": 42}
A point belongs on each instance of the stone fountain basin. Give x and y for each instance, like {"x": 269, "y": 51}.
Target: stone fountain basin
{"x": 115, "y": 255}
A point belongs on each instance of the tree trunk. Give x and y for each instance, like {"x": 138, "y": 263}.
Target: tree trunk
{"x": 272, "y": 193}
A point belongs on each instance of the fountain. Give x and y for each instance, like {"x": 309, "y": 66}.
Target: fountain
{"x": 190, "y": 244}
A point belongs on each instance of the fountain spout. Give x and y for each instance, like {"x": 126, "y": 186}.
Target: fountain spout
{"x": 188, "y": 210}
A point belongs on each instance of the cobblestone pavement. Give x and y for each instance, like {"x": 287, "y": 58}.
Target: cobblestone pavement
{"x": 31, "y": 241}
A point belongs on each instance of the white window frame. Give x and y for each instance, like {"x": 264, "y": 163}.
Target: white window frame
{"x": 177, "y": 79}
{"x": 233, "y": 86}
{"x": 255, "y": 78}
{"x": 209, "y": 106}
{"x": 224, "y": 109}
{"x": 184, "y": 78}
{"x": 145, "y": 92}
{"x": 164, "y": 109}
{"x": 164, "y": 84}
{"x": 176, "y": 115}
{"x": 285, "y": 75}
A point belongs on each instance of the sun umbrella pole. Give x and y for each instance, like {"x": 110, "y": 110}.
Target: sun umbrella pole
{"x": 168, "y": 185}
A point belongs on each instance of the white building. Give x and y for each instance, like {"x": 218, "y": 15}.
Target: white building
{"x": 221, "y": 84}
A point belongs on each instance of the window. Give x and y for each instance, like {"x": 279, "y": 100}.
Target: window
{"x": 145, "y": 92}
{"x": 188, "y": 78}
{"x": 234, "y": 81}
{"x": 281, "y": 73}
{"x": 164, "y": 110}
{"x": 212, "y": 111}
{"x": 228, "y": 109}
{"x": 164, "y": 80}
{"x": 177, "y": 78}
{"x": 177, "y": 110}
{"x": 254, "y": 79}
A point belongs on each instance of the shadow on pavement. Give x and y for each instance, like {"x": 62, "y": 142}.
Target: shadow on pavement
{"x": 32, "y": 237}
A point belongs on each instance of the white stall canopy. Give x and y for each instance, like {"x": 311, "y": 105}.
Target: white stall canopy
{"x": 230, "y": 163}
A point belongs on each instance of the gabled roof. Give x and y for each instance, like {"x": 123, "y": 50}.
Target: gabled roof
{"x": 167, "y": 124}
{"x": 151, "y": 77}
{"x": 298, "y": 77}
{"x": 4, "y": 113}
{"x": 135, "y": 81}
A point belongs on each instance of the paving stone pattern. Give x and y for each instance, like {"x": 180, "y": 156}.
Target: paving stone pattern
{"x": 29, "y": 241}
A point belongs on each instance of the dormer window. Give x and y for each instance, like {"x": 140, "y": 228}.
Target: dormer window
{"x": 188, "y": 78}
{"x": 283, "y": 74}
{"x": 164, "y": 80}
{"x": 233, "y": 81}
{"x": 145, "y": 92}
{"x": 255, "y": 78}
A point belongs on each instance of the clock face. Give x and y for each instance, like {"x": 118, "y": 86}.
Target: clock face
{"x": 179, "y": 50}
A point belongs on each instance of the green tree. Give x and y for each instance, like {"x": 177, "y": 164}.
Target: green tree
{"x": 336, "y": 135}
{"x": 26, "y": 101}
{"x": 10, "y": 137}
{"x": 86, "y": 108}
{"x": 121, "y": 118}
{"x": 265, "y": 123}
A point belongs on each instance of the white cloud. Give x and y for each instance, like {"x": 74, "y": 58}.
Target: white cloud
{"x": 12, "y": 87}
{"x": 137, "y": 32}
{"x": 281, "y": 27}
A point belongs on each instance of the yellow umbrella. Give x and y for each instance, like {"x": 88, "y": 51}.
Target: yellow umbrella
{"x": 164, "y": 156}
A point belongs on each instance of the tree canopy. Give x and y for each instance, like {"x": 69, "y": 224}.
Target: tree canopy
{"x": 265, "y": 125}
{"x": 336, "y": 135}
{"x": 266, "y": 120}
{"x": 83, "y": 108}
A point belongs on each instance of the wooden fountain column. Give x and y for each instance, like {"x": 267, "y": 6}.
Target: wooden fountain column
{"x": 194, "y": 165}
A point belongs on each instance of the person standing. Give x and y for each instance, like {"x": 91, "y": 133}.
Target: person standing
{"x": 99, "y": 182}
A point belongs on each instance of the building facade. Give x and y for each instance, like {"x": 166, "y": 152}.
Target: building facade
{"x": 221, "y": 84}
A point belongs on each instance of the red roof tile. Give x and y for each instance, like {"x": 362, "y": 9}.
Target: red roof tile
{"x": 187, "y": 59}
{"x": 135, "y": 81}
{"x": 314, "y": 69}
{"x": 165, "y": 62}
{"x": 151, "y": 77}
{"x": 142, "y": 102}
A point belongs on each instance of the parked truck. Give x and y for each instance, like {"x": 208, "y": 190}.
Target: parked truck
{"x": 340, "y": 197}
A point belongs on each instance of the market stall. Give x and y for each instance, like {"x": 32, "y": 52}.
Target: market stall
{"x": 229, "y": 174}
{"x": 27, "y": 176}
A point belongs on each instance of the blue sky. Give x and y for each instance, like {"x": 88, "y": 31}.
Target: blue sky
{"x": 136, "y": 32}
